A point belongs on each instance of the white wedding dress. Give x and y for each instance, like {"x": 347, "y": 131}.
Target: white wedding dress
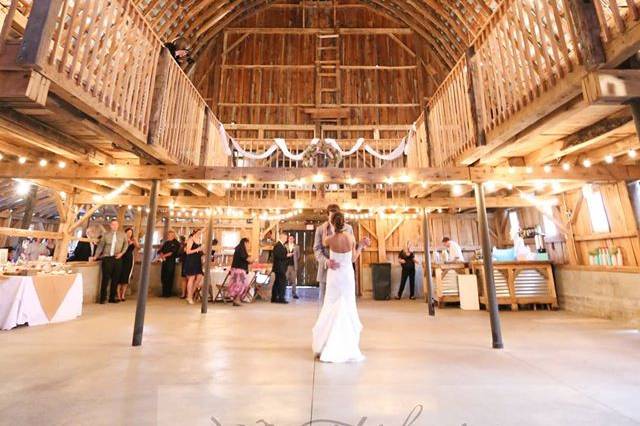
{"x": 336, "y": 335}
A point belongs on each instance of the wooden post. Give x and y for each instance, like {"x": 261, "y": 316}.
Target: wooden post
{"x": 147, "y": 255}
{"x": 121, "y": 212}
{"x": 37, "y": 34}
{"x": 428, "y": 273}
{"x": 3, "y": 238}
{"x": 66, "y": 219}
{"x": 472, "y": 82}
{"x": 27, "y": 215}
{"x": 490, "y": 285}
{"x": 587, "y": 25}
{"x": 207, "y": 265}
{"x": 382, "y": 250}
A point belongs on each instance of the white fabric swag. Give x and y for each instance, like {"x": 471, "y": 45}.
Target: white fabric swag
{"x": 281, "y": 144}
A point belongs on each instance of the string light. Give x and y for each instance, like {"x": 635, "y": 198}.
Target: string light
{"x": 529, "y": 170}
{"x": 227, "y": 185}
{"x": 210, "y": 187}
{"x": 318, "y": 177}
{"x": 632, "y": 153}
{"x": 586, "y": 163}
{"x": 43, "y": 162}
{"x": 547, "y": 168}
{"x": 63, "y": 195}
{"x": 423, "y": 184}
{"x": 176, "y": 184}
{"x": 566, "y": 167}
{"x": 490, "y": 186}
{"x": 62, "y": 164}
{"x": 352, "y": 181}
{"x": 608, "y": 158}
{"x": 1, "y": 156}
{"x": 22, "y": 160}
{"x": 456, "y": 190}
{"x": 512, "y": 170}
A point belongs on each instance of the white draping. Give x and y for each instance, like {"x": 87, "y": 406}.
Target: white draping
{"x": 279, "y": 143}
{"x": 396, "y": 153}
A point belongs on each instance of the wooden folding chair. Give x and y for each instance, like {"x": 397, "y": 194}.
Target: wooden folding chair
{"x": 222, "y": 289}
{"x": 261, "y": 290}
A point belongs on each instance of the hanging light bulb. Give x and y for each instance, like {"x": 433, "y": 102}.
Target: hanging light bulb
{"x": 566, "y": 167}
{"x": 632, "y": 153}
{"x": 23, "y": 187}
{"x": 547, "y": 168}
{"x": 586, "y": 163}
{"x": 62, "y": 164}
{"x": 608, "y": 158}
{"x": 529, "y": 170}
{"x": 43, "y": 162}
{"x": 22, "y": 160}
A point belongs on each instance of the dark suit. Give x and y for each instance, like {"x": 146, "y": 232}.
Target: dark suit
{"x": 280, "y": 270}
{"x": 82, "y": 252}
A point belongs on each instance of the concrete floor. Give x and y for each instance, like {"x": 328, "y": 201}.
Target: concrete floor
{"x": 252, "y": 365}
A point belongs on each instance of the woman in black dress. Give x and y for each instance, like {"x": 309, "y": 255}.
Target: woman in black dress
{"x": 408, "y": 262}
{"x": 127, "y": 265}
{"x": 193, "y": 263}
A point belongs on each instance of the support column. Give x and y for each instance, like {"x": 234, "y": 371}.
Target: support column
{"x": 207, "y": 265}
{"x": 587, "y": 27}
{"x": 27, "y": 215}
{"x": 143, "y": 291}
{"x": 428, "y": 273}
{"x": 483, "y": 224}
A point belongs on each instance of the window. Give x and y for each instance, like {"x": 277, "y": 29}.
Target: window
{"x": 514, "y": 223}
{"x": 550, "y": 229}
{"x": 597, "y": 212}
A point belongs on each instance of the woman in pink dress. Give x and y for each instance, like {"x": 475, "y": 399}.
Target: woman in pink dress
{"x": 238, "y": 280}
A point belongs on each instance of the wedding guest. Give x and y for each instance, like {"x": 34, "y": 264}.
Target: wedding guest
{"x": 127, "y": 264}
{"x": 293, "y": 256}
{"x": 238, "y": 280}
{"x": 408, "y": 262}
{"x": 193, "y": 263}
{"x": 454, "y": 250}
{"x": 84, "y": 249}
{"x": 280, "y": 257}
{"x": 168, "y": 254}
{"x": 110, "y": 250}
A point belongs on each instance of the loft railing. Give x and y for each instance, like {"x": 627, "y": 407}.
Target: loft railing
{"x": 450, "y": 121}
{"x": 525, "y": 50}
{"x": 616, "y": 17}
{"x": 104, "y": 58}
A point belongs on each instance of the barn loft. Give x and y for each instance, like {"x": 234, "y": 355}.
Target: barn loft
{"x": 503, "y": 125}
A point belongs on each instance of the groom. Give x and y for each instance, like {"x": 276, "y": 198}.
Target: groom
{"x": 321, "y": 252}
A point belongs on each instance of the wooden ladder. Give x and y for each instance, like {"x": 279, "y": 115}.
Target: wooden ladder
{"x": 328, "y": 74}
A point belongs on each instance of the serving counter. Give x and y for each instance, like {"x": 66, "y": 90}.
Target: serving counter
{"x": 519, "y": 283}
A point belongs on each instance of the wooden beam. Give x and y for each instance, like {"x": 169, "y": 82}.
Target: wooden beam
{"x": 26, "y": 233}
{"x": 611, "y": 87}
{"x": 202, "y": 174}
{"x": 587, "y": 28}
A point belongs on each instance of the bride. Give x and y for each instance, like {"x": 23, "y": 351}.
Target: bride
{"x": 336, "y": 335}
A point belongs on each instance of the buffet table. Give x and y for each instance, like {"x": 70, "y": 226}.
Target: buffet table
{"x": 519, "y": 282}
{"x": 39, "y": 299}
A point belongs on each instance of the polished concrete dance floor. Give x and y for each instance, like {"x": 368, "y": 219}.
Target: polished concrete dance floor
{"x": 252, "y": 365}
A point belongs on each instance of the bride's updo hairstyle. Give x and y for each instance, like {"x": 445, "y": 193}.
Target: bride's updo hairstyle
{"x": 338, "y": 221}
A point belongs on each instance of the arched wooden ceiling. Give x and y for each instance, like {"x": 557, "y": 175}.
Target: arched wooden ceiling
{"x": 447, "y": 26}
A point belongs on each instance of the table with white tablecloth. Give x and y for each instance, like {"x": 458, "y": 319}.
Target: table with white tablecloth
{"x": 39, "y": 299}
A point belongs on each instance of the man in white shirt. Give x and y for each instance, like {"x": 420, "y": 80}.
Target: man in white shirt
{"x": 454, "y": 249}
{"x": 110, "y": 250}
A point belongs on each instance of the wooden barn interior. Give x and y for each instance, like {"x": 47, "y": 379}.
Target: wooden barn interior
{"x": 484, "y": 121}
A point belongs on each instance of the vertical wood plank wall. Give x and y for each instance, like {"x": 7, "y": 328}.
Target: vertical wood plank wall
{"x": 269, "y": 78}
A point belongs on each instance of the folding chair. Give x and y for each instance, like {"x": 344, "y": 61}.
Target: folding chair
{"x": 222, "y": 289}
{"x": 261, "y": 285}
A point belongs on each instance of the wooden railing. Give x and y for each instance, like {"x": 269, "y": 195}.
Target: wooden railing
{"x": 182, "y": 117}
{"x": 104, "y": 58}
{"x": 214, "y": 154}
{"x": 102, "y": 52}
{"x": 525, "y": 50}
{"x": 450, "y": 123}
{"x": 616, "y": 16}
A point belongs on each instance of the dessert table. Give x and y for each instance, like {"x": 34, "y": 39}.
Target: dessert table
{"x": 39, "y": 299}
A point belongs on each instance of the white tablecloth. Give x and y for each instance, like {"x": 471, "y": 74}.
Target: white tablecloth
{"x": 20, "y": 303}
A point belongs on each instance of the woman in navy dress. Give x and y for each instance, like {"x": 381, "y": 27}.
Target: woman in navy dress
{"x": 127, "y": 265}
{"x": 193, "y": 263}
